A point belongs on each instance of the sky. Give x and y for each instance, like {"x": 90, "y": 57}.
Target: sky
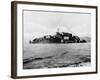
{"x": 40, "y": 23}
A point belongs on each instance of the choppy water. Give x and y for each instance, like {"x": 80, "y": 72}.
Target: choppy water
{"x": 57, "y": 55}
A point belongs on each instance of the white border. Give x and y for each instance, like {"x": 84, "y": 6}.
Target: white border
{"x": 21, "y": 72}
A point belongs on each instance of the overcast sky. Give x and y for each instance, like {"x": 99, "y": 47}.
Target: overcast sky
{"x": 39, "y": 23}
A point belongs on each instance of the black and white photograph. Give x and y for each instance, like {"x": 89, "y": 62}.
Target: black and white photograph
{"x": 56, "y": 39}
{"x": 53, "y": 39}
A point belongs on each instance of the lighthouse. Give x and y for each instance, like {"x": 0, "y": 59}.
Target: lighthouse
{"x": 58, "y": 30}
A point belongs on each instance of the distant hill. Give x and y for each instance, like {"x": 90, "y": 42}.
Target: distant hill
{"x": 88, "y": 39}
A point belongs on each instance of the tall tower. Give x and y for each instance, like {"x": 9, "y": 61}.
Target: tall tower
{"x": 57, "y": 29}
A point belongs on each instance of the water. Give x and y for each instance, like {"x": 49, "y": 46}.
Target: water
{"x": 56, "y": 55}
{"x": 42, "y": 50}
